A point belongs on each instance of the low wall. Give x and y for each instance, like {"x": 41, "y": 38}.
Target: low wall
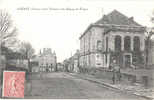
{"x": 141, "y": 76}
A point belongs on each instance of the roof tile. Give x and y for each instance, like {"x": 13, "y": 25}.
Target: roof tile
{"x": 117, "y": 18}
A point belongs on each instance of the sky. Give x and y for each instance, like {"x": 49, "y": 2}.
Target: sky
{"x": 58, "y": 24}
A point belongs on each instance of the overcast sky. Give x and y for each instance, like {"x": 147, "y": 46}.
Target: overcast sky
{"x": 59, "y": 29}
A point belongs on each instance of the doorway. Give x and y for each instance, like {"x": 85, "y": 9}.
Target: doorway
{"x": 127, "y": 60}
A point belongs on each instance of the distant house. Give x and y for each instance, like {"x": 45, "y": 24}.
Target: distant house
{"x": 73, "y": 62}
{"x": 47, "y": 60}
{"x": 115, "y": 37}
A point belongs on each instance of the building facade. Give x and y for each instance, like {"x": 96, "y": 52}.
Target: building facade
{"x": 113, "y": 37}
{"x": 76, "y": 61}
{"x": 47, "y": 60}
{"x": 72, "y": 64}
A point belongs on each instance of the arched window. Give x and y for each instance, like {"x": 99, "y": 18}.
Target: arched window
{"x": 118, "y": 43}
{"x": 127, "y": 43}
{"x": 136, "y": 43}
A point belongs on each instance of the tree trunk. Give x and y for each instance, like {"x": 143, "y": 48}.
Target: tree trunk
{"x": 29, "y": 67}
{"x": 147, "y": 51}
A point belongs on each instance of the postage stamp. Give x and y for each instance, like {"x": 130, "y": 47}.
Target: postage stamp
{"x": 13, "y": 84}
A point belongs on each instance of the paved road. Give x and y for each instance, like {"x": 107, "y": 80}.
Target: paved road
{"x": 65, "y": 86}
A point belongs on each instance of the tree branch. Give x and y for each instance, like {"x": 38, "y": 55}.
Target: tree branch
{"x": 7, "y": 31}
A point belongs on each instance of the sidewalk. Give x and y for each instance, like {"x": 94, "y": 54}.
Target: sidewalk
{"x": 135, "y": 89}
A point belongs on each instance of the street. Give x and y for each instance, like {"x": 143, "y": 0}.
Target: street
{"x": 64, "y": 86}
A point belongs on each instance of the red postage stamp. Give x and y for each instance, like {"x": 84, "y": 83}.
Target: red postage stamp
{"x": 13, "y": 84}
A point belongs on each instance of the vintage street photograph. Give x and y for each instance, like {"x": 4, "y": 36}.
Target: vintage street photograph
{"x": 77, "y": 49}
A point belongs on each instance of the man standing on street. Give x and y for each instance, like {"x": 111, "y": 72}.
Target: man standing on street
{"x": 116, "y": 72}
{"x": 113, "y": 71}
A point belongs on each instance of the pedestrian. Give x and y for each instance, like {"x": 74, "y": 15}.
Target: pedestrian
{"x": 114, "y": 75}
{"x": 119, "y": 75}
{"x": 113, "y": 68}
{"x": 117, "y": 71}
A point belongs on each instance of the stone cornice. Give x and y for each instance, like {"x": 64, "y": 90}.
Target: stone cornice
{"x": 113, "y": 27}
{"x": 126, "y": 29}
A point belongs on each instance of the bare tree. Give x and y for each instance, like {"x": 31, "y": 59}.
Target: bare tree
{"x": 149, "y": 35}
{"x": 8, "y": 33}
{"x": 152, "y": 17}
{"x": 148, "y": 45}
{"x": 27, "y": 50}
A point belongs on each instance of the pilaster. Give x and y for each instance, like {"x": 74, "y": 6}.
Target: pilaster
{"x": 122, "y": 42}
{"x": 132, "y": 43}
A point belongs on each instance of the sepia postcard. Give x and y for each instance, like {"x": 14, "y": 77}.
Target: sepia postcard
{"x": 77, "y": 49}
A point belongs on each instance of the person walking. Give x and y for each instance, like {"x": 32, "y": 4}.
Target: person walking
{"x": 114, "y": 76}
{"x": 119, "y": 75}
{"x": 112, "y": 66}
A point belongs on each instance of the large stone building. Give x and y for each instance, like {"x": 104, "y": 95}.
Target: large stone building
{"x": 113, "y": 37}
{"x": 47, "y": 60}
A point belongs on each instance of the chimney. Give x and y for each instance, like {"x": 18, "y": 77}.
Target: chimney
{"x": 131, "y": 18}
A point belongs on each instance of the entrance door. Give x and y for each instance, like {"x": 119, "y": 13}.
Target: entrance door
{"x": 127, "y": 60}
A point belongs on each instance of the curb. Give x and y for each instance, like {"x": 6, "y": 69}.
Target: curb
{"x": 109, "y": 86}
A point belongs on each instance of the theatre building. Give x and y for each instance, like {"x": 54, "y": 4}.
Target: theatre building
{"x": 113, "y": 37}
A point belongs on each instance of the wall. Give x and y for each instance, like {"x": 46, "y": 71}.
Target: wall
{"x": 88, "y": 47}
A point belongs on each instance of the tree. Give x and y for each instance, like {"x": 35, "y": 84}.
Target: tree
{"x": 27, "y": 50}
{"x": 149, "y": 34}
{"x": 8, "y": 32}
{"x": 148, "y": 45}
{"x": 152, "y": 17}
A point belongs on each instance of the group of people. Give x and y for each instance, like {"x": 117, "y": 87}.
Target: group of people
{"x": 115, "y": 68}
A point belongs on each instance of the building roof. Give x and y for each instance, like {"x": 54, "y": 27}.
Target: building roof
{"x": 117, "y": 18}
